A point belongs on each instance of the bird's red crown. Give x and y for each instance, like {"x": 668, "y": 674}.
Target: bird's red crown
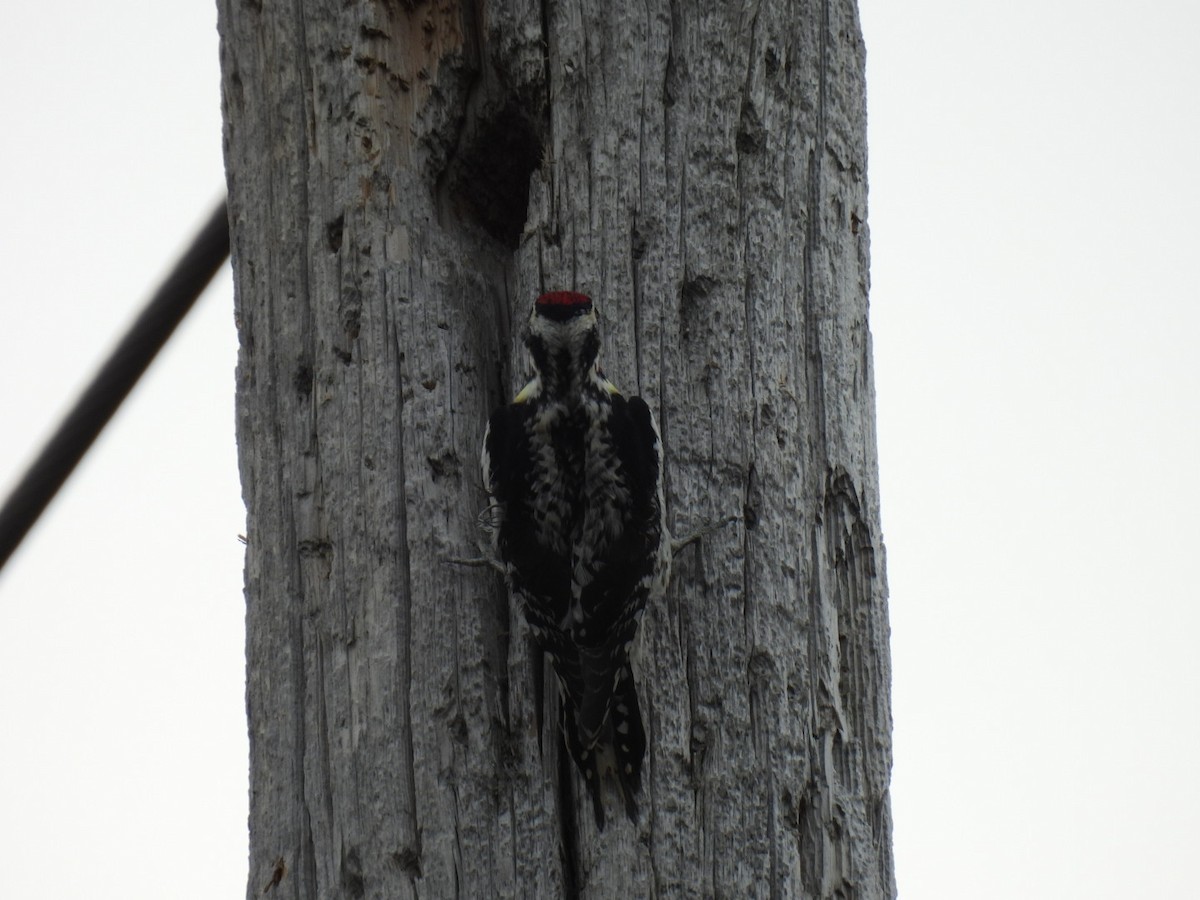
{"x": 562, "y": 304}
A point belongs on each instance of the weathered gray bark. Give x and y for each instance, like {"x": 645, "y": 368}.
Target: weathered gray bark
{"x": 404, "y": 178}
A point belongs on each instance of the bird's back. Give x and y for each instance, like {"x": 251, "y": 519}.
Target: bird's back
{"x": 581, "y": 531}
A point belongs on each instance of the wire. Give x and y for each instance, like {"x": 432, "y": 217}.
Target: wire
{"x": 114, "y": 381}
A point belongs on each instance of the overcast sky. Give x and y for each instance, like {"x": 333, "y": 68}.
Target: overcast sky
{"x": 1033, "y": 222}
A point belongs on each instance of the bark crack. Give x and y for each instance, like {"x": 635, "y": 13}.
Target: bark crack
{"x": 812, "y": 238}
{"x": 404, "y": 635}
{"x": 306, "y": 851}
{"x": 566, "y": 824}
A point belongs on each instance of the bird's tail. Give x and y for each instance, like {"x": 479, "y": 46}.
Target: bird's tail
{"x": 615, "y": 743}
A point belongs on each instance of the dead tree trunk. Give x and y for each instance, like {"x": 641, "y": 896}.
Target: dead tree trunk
{"x": 404, "y": 178}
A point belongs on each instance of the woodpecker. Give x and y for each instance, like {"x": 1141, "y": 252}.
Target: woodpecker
{"x": 574, "y": 469}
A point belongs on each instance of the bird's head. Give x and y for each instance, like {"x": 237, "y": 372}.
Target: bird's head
{"x": 563, "y": 339}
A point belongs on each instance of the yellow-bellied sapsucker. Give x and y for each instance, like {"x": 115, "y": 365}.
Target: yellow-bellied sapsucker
{"x": 575, "y": 472}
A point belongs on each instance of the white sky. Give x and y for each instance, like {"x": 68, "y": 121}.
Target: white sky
{"x": 1033, "y": 217}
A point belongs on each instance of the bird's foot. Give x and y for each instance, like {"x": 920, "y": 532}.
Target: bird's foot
{"x": 477, "y": 562}
{"x": 677, "y": 544}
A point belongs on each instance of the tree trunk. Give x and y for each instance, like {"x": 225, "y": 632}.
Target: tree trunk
{"x": 404, "y": 178}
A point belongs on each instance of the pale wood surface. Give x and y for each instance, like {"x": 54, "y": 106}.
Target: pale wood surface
{"x": 702, "y": 175}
